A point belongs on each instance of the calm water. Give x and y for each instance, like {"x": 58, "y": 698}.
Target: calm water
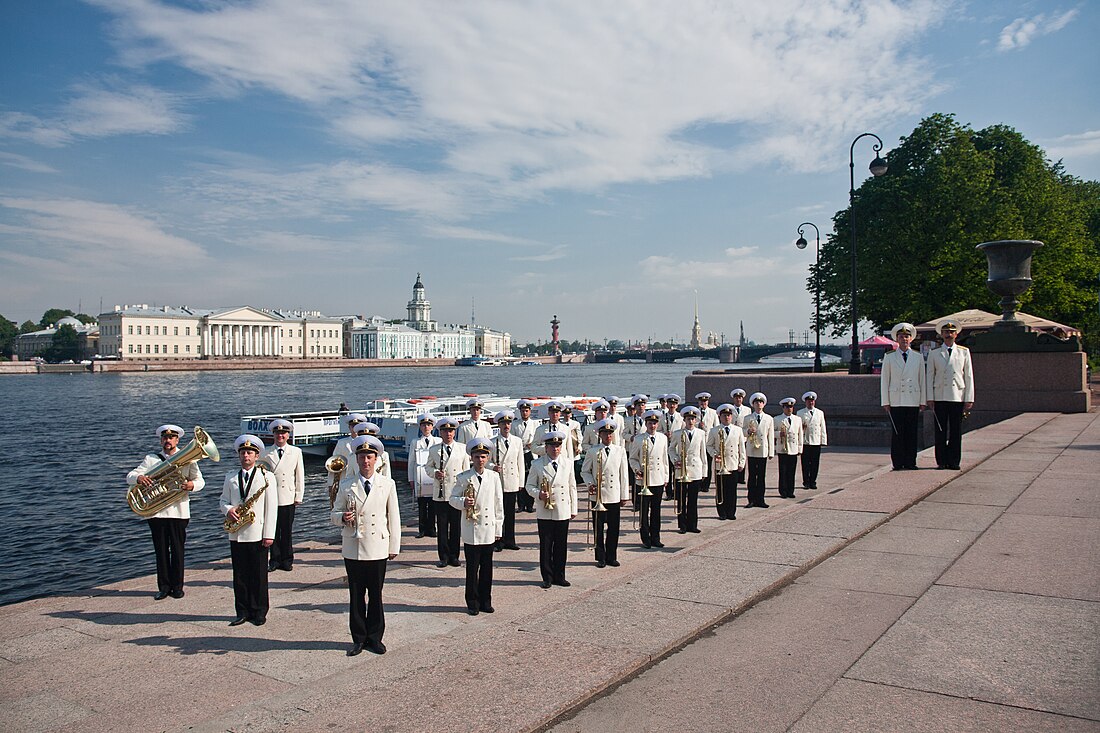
{"x": 68, "y": 441}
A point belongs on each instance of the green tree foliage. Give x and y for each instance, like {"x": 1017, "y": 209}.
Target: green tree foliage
{"x": 948, "y": 189}
{"x": 53, "y": 315}
{"x": 29, "y": 327}
{"x": 8, "y": 332}
{"x": 66, "y": 345}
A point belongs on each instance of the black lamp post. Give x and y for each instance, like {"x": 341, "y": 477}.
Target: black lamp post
{"x": 878, "y": 168}
{"x": 801, "y": 244}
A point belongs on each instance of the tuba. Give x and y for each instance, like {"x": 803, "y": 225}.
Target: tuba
{"x": 168, "y": 477}
{"x": 335, "y": 465}
{"x": 245, "y": 515}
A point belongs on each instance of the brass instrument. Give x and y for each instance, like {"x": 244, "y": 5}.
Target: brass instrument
{"x": 681, "y": 495}
{"x": 354, "y": 509}
{"x": 245, "y": 515}
{"x": 720, "y": 464}
{"x": 548, "y": 502}
{"x": 644, "y": 491}
{"x": 754, "y": 434}
{"x": 598, "y": 506}
{"x": 335, "y": 465}
{"x": 168, "y": 477}
{"x": 472, "y": 513}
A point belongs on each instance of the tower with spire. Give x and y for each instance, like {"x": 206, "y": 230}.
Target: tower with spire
{"x": 696, "y": 331}
{"x": 420, "y": 309}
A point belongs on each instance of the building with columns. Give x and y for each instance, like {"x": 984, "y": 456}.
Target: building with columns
{"x": 168, "y": 332}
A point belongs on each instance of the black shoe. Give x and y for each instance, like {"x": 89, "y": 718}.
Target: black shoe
{"x": 161, "y": 595}
{"x": 511, "y": 547}
{"x": 375, "y": 647}
{"x": 614, "y": 563}
{"x": 601, "y": 564}
{"x": 272, "y": 567}
{"x": 429, "y": 534}
{"x": 177, "y": 593}
{"x": 259, "y": 621}
{"x": 441, "y": 564}
{"x": 722, "y": 518}
{"x": 238, "y": 621}
{"x": 287, "y": 567}
{"x": 695, "y": 531}
{"x": 681, "y": 531}
{"x": 472, "y": 611}
{"x": 455, "y": 564}
{"x": 658, "y": 544}
{"x": 488, "y": 609}
{"x": 734, "y": 517}
{"x": 356, "y": 648}
{"x": 544, "y": 584}
{"x": 762, "y": 505}
{"x": 646, "y": 545}
{"x": 563, "y": 583}
{"x": 498, "y": 548}
{"x": 418, "y": 536}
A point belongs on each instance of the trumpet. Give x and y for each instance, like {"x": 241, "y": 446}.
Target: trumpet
{"x": 681, "y": 495}
{"x": 754, "y": 436}
{"x": 335, "y": 465}
{"x": 354, "y": 509}
{"x": 472, "y": 513}
{"x": 548, "y": 502}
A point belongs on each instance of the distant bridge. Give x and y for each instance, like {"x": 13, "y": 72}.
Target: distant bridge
{"x": 725, "y": 354}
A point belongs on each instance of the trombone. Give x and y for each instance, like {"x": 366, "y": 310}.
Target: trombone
{"x": 681, "y": 495}
{"x": 719, "y": 465}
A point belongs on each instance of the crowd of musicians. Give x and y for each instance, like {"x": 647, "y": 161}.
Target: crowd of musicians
{"x": 470, "y": 483}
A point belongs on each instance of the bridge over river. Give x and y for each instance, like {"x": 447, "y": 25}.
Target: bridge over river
{"x": 724, "y": 354}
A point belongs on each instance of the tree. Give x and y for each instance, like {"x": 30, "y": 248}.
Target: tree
{"x": 66, "y": 345}
{"x": 8, "y": 332}
{"x": 53, "y": 315}
{"x": 948, "y": 189}
{"x": 29, "y": 327}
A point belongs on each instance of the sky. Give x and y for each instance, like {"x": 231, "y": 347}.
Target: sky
{"x": 610, "y": 162}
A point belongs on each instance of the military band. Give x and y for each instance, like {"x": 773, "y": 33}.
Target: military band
{"x": 284, "y": 461}
{"x": 250, "y": 503}
{"x": 506, "y": 459}
{"x": 606, "y": 473}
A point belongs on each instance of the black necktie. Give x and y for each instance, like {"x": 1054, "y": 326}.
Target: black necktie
{"x": 447, "y": 457}
{"x": 280, "y": 453}
{"x": 727, "y": 430}
{"x": 949, "y": 352}
{"x": 554, "y": 464}
{"x": 905, "y": 356}
{"x": 366, "y": 487}
{"x": 758, "y": 418}
{"x": 478, "y": 478}
{"x": 607, "y": 450}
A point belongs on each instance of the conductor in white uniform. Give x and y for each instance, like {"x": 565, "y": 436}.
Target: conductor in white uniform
{"x": 950, "y": 392}
{"x": 902, "y": 390}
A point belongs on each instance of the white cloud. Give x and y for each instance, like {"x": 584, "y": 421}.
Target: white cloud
{"x": 1022, "y": 31}
{"x": 1074, "y": 146}
{"x": 479, "y": 235}
{"x": 516, "y": 100}
{"x": 557, "y": 252}
{"x": 22, "y": 162}
{"x": 737, "y": 263}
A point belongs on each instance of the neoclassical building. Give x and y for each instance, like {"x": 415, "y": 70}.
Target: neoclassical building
{"x": 169, "y": 332}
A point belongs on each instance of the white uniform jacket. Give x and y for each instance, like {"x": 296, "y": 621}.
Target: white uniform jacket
{"x": 739, "y": 415}
{"x": 670, "y": 423}
{"x": 343, "y": 448}
{"x": 709, "y": 420}
{"x": 266, "y": 507}
{"x": 902, "y": 383}
{"x": 451, "y": 467}
{"x": 687, "y": 451}
{"x": 421, "y": 479}
{"x": 471, "y": 429}
{"x": 726, "y": 445}
{"x": 653, "y": 450}
{"x": 788, "y": 434}
{"x": 489, "y": 502}
{"x": 813, "y": 427}
{"x": 632, "y": 425}
{"x": 379, "y": 518}
{"x": 525, "y": 431}
{"x": 592, "y": 437}
{"x": 289, "y": 473}
{"x": 182, "y": 508}
{"x": 950, "y": 378}
{"x": 620, "y": 420}
{"x": 613, "y": 470}
{"x": 568, "y": 446}
{"x": 759, "y": 436}
{"x": 561, "y": 483}
{"x": 507, "y": 456}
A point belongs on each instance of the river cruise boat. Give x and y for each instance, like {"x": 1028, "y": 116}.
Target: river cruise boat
{"x": 316, "y": 433}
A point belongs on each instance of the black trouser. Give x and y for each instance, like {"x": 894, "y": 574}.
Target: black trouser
{"x": 607, "y": 533}
{"x": 687, "y": 504}
{"x": 169, "y": 537}
{"x": 508, "y": 537}
{"x": 758, "y": 470}
{"x": 704, "y": 484}
{"x": 526, "y": 502}
{"x": 649, "y": 511}
{"x": 249, "y": 579}
{"x": 788, "y": 466}
{"x": 903, "y": 440}
{"x": 726, "y": 493}
{"x": 479, "y": 576}
{"x": 811, "y": 461}
{"x": 425, "y": 510}
{"x": 282, "y": 549}
{"x": 366, "y": 617}
{"x": 553, "y": 544}
{"x": 949, "y": 418}
{"x": 448, "y": 525}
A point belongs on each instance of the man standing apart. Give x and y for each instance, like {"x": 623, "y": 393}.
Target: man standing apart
{"x": 478, "y": 497}
{"x": 950, "y": 392}
{"x": 285, "y": 463}
{"x": 366, "y": 509}
{"x": 169, "y": 526}
{"x": 902, "y": 389}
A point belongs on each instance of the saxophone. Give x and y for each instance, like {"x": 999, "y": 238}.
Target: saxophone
{"x": 472, "y": 513}
{"x": 245, "y": 515}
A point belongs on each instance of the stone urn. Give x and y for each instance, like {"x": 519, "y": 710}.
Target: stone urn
{"x": 1009, "y": 276}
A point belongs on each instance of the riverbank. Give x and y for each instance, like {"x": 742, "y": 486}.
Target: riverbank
{"x": 546, "y": 652}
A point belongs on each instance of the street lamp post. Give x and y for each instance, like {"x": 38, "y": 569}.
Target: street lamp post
{"x": 802, "y": 244}
{"x": 878, "y": 168}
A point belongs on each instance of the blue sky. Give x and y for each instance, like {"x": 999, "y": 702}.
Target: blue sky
{"x": 602, "y": 161}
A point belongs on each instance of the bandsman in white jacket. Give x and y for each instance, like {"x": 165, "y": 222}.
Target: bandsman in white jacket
{"x": 446, "y": 460}
{"x": 902, "y": 389}
{"x": 613, "y": 413}
{"x": 343, "y": 445}
{"x": 284, "y": 460}
{"x": 524, "y": 428}
{"x": 600, "y": 411}
{"x": 950, "y": 393}
{"x": 554, "y": 487}
{"x": 556, "y": 422}
{"x": 606, "y": 472}
{"x": 168, "y": 527}
{"x": 478, "y": 497}
{"x": 740, "y": 412}
{"x": 506, "y": 460}
{"x": 649, "y": 462}
{"x": 250, "y": 491}
{"x": 383, "y": 466}
{"x": 726, "y": 445}
{"x": 788, "y": 445}
{"x": 687, "y": 451}
{"x": 814, "y": 436}
{"x": 759, "y": 447}
{"x": 368, "y": 514}
{"x": 474, "y": 427}
{"x": 708, "y": 418}
{"x": 421, "y": 479}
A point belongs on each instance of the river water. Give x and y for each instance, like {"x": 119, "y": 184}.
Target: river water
{"x": 67, "y": 442}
